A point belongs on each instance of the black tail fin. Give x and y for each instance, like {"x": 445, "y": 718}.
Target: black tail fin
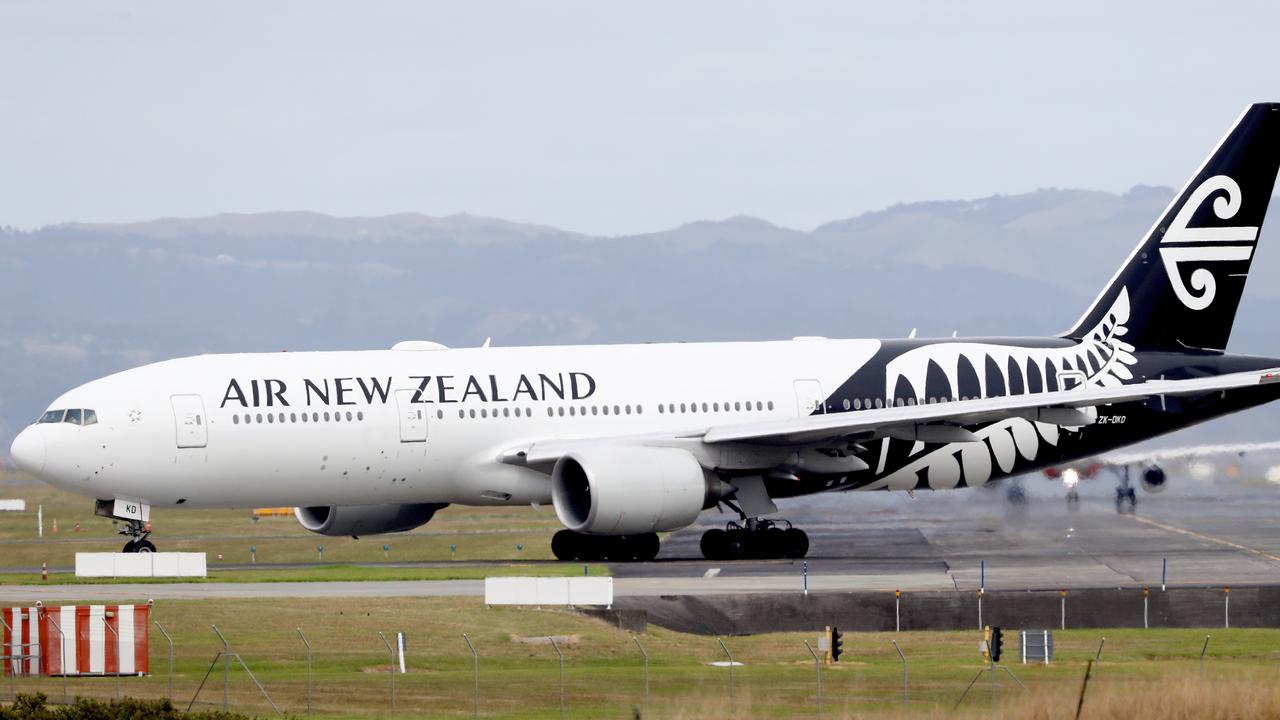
{"x": 1181, "y": 286}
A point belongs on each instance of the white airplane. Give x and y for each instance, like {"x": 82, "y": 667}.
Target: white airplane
{"x": 628, "y": 441}
{"x": 1151, "y": 467}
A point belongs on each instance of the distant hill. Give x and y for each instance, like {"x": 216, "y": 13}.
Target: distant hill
{"x": 82, "y": 300}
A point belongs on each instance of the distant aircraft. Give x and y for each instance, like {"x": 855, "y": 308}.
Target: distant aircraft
{"x": 628, "y": 441}
{"x": 1150, "y": 466}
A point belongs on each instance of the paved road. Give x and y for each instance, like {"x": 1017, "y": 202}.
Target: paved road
{"x": 1210, "y": 535}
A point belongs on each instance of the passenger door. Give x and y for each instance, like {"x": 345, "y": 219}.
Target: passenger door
{"x": 413, "y": 417}
{"x": 809, "y": 398}
{"x": 190, "y": 421}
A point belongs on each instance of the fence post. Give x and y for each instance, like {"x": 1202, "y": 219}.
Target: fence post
{"x": 15, "y": 666}
{"x": 115, "y": 635}
{"x": 1098, "y": 656}
{"x": 817, "y": 669}
{"x": 980, "y": 625}
{"x": 1146, "y": 597}
{"x": 62, "y": 656}
{"x": 169, "y": 640}
{"x": 475, "y": 673}
{"x": 226, "y": 667}
{"x": 308, "y": 644}
{"x": 1226, "y": 607}
{"x": 730, "y": 656}
{"x": 561, "y": 656}
{"x": 391, "y": 669}
{"x": 906, "y": 693}
{"x": 645, "y": 702}
{"x": 1084, "y": 685}
{"x": 1202, "y": 652}
{"x": 897, "y": 610}
{"x": 1064, "y": 609}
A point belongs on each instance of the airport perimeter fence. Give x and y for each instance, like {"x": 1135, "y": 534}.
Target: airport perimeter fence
{"x": 378, "y": 674}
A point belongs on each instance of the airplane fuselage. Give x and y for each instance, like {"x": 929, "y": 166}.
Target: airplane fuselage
{"x": 413, "y": 426}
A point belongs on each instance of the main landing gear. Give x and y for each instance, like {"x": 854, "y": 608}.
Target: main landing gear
{"x": 756, "y": 539}
{"x": 570, "y": 545}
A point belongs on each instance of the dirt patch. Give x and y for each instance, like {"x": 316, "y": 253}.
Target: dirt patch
{"x": 561, "y": 640}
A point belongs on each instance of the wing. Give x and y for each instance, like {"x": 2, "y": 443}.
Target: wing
{"x": 1061, "y": 407}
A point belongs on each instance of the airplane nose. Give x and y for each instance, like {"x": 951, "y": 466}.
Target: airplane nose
{"x": 27, "y": 451}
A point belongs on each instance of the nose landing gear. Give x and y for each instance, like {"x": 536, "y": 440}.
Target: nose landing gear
{"x": 138, "y": 532}
{"x": 1125, "y": 494}
{"x": 757, "y": 538}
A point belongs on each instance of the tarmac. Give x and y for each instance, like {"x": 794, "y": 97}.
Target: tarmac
{"x": 1197, "y": 535}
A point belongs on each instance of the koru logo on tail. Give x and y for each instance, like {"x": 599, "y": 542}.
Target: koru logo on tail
{"x": 1182, "y": 244}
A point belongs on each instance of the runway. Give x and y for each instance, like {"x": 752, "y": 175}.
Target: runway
{"x": 1210, "y": 535}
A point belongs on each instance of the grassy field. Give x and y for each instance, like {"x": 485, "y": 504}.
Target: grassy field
{"x": 1147, "y": 673}
{"x": 515, "y": 534}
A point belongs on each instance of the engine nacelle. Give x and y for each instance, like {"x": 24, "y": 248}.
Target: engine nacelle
{"x": 628, "y": 490}
{"x": 1153, "y": 479}
{"x": 357, "y": 520}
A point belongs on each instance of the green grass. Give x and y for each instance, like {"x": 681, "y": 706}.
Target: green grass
{"x": 500, "y": 533}
{"x": 603, "y": 670}
{"x": 330, "y": 573}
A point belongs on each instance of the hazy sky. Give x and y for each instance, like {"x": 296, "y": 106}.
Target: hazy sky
{"x": 607, "y": 117}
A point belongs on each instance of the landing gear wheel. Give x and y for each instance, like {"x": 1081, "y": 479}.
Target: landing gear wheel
{"x": 646, "y": 546}
{"x": 1073, "y": 501}
{"x": 759, "y": 539}
{"x": 797, "y": 543}
{"x": 714, "y": 544}
{"x": 774, "y": 543}
{"x": 564, "y": 545}
{"x": 130, "y": 546}
{"x": 570, "y": 545}
{"x": 737, "y": 545}
{"x": 144, "y": 546}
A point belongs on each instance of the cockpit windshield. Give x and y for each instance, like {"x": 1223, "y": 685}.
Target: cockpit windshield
{"x": 75, "y": 416}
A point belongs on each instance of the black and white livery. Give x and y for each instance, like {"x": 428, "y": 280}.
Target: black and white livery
{"x": 629, "y": 441}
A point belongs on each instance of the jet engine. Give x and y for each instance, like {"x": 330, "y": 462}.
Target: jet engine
{"x": 1153, "y": 478}
{"x": 356, "y": 520}
{"x": 628, "y": 490}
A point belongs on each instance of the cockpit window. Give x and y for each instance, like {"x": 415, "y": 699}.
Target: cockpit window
{"x": 76, "y": 416}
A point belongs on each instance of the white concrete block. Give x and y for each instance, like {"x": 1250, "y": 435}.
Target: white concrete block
{"x": 132, "y": 564}
{"x": 590, "y": 591}
{"x": 192, "y": 565}
{"x": 552, "y": 590}
{"x": 164, "y": 565}
{"x": 95, "y": 564}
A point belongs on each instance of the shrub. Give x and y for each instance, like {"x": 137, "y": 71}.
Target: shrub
{"x": 37, "y": 707}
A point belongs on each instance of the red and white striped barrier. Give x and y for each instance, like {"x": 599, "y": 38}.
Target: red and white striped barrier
{"x": 94, "y": 640}
{"x": 21, "y": 636}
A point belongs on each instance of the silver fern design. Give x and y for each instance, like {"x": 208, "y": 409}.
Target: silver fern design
{"x": 1102, "y": 359}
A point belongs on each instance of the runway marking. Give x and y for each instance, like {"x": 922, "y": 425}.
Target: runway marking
{"x": 711, "y": 573}
{"x": 1206, "y": 538}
